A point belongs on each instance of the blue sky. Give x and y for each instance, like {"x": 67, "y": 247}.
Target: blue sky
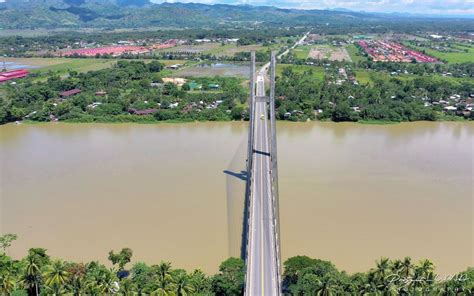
{"x": 414, "y": 6}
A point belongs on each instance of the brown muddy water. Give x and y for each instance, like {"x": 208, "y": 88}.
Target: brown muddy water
{"x": 349, "y": 193}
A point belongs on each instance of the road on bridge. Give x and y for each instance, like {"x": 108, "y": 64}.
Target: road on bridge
{"x": 262, "y": 276}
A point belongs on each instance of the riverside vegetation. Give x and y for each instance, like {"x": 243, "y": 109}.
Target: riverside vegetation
{"x": 39, "y": 274}
{"x": 131, "y": 86}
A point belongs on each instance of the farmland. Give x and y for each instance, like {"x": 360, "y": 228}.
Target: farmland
{"x": 214, "y": 69}
{"x": 317, "y": 72}
{"x": 302, "y": 52}
{"x": 61, "y": 64}
{"x": 451, "y": 57}
{"x": 355, "y": 54}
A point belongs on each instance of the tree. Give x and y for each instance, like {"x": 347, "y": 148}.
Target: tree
{"x": 34, "y": 262}
{"x": 200, "y": 282}
{"x": 55, "y": 277}
{"x": 183, "y": 284}
{"x": 230, "y": 280}
{"x": 343, "y": 112}
{"x": 294, "y": 266}
{"x": 7, "y": 283}
{"x": 121, "y": 258}
{"x": 155, "y": 66}
{"x": 6, "y": 241}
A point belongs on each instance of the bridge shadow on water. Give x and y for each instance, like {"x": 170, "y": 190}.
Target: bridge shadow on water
{"x": 242, "y": 175}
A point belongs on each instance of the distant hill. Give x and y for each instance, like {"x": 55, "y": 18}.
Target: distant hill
{"x": 75, "y": 14}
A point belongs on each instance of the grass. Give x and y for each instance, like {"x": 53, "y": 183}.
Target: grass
{"x": 318, "y": 72}
{"x": 302, "y": 52}
{"x": 62, "y": 65}
{"x": 450, "y": 57}
{"x": 363, "y": 77}
{"x": 355, "y": 54}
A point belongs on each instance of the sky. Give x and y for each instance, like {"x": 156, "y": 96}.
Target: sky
{"x": 465, "y": 7}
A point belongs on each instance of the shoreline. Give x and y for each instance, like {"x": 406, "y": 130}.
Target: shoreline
{"x": 181, "y": 121}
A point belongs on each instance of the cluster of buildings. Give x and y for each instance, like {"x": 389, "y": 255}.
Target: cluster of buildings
{"x": 382, "y": 51}
{"x": 455, "y": 104}
{"x": 108, "y": 50}
{"x": 15, "y": 74}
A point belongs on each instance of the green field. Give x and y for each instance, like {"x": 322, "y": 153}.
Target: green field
{"x": 453, "y": 57}
{"x": 318, "y": 72}
{"x": 62, "y": 65}
{"x": 355, "y": 54}
{"x": 302, "y": 52}
{"x": 450, "y": 57}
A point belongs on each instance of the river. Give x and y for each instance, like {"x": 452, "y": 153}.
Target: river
{"x": 349, "y": 193}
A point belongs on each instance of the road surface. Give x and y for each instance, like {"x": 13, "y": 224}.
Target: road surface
{"x": 262, "y": 264}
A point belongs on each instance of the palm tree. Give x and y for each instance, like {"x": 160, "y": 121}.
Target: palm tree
{"x": 32, "y": 275}
{"x": 382, "y": 270}
{"x": 127, "y": 287}
{"x": 406, "y": 268}
{"x": 426, "y": 266}
{"x": 183, "y": 285}
{"x": 7, "y": 284}
{"x": 56, "y": 276}
{"x": 327, "y": 288}
{"x": 163, "y": 270}
{"x": 199, "y": 281}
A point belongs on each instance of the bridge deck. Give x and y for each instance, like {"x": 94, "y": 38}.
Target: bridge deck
{"x": 262, "y": 278}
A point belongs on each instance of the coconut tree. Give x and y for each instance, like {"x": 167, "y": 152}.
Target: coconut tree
{"x": 382, "y": 270}
{"x": 183, "y": 285}
{"x": 406, "y": 269}
{"x": 200, "y": 282}
{"x": 56, "y": 277}
{"x": 7, "y": 283}
{"x": 32, "y": 275}
{"x": 327, "y": 287}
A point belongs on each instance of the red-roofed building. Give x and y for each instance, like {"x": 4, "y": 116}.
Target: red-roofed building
{"x": 69, "y": 93}
{"x": 9, "y": 75}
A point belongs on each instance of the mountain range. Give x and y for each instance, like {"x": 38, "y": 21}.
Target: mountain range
{"x": 76, "y": 14}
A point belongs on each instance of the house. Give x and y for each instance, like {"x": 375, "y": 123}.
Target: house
{"x": 213, "y": 86}
{"x": 100, "y": 93}
{"x": 174, "y": 67}
{"x": 156, "y": 84}
{"x": 9, "y": 75}
{"x": 450, "y": 108}
{"x": 94, "y": 105}
{"x": 69, "y": 93}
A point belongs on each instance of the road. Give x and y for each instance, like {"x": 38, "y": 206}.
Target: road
{"x": 264, "y": 68}
{"x": 262, "y": 262}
